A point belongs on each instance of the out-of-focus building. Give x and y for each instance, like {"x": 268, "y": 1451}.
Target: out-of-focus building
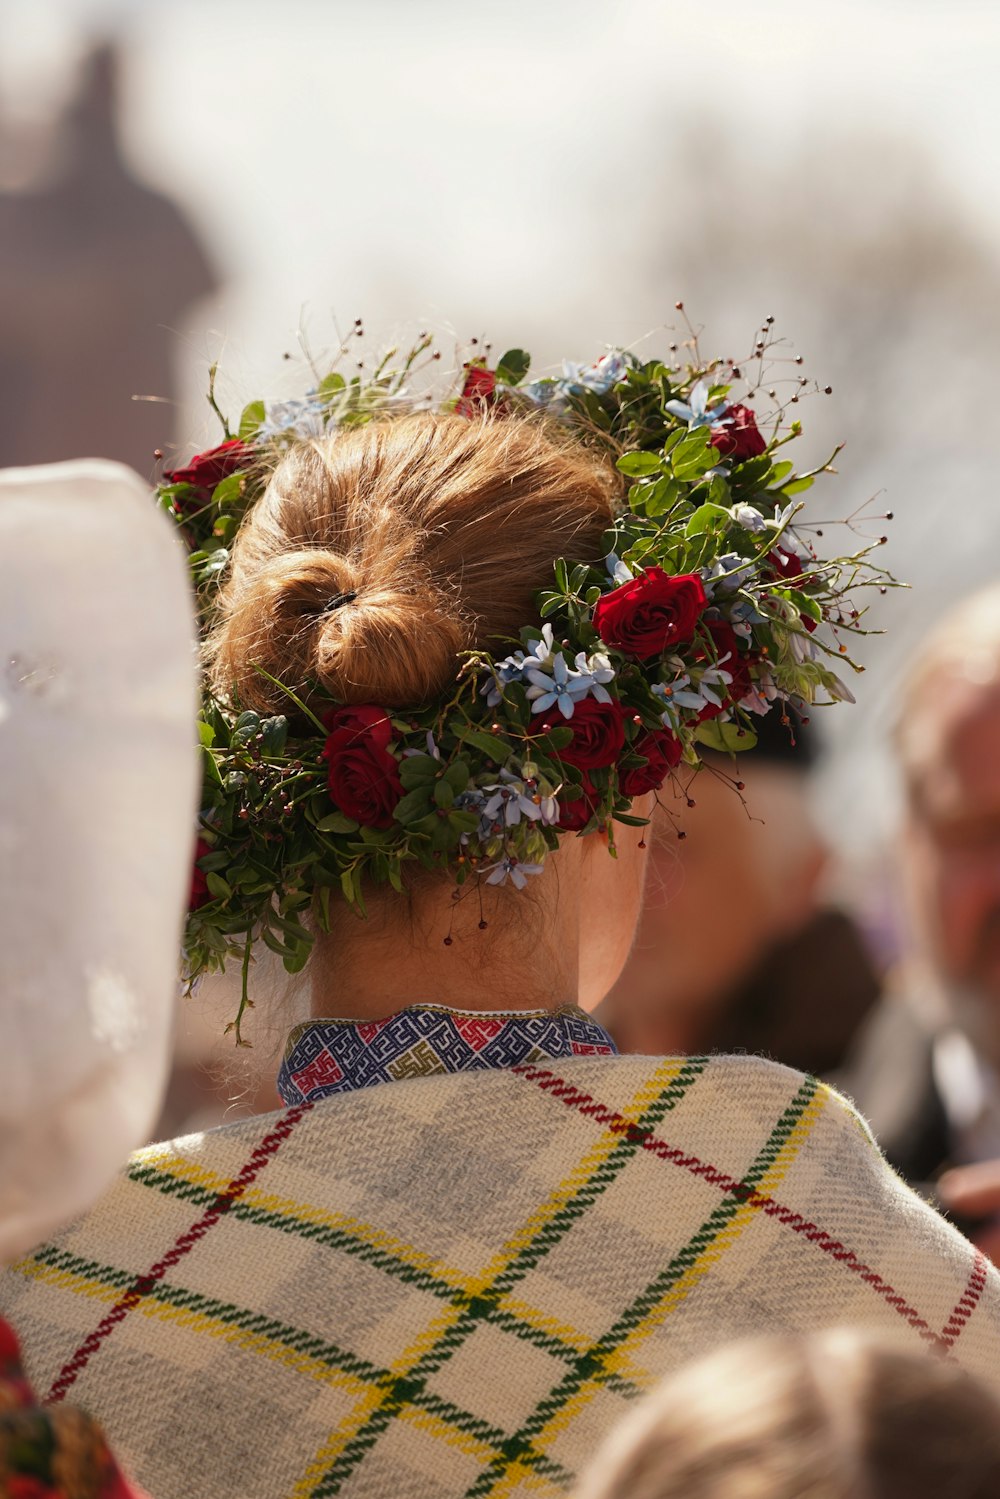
{"x": 97, "y": 272}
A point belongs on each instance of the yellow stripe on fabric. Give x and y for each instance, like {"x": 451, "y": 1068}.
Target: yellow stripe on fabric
{"x": 180, "y": 1169}
{"x": 258, "y": 1343}
{"x": 616, "y": 1362}
{"x": 591, "y": 1162}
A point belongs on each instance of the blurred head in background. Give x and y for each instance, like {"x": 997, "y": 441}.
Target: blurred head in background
{"x": 948, "y": 741}
{"x": 735, "y": 947}
{"x": 834, "y": 1416}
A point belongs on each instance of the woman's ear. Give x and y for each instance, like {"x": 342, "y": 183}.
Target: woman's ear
{"x": 611, "y": 890}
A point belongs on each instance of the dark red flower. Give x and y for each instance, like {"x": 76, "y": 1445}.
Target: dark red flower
{"x": 362, "y": 774}
{"x": 662, "y": 751}
{"x": 739, "y": 438}
{"x": 787, "y": 565}
{"x": 732, "y": 658}
{"x": 200, "y": 892}
{"x": 478, "y": 392}
{"x": 650, "y": 613}
{"x": 598, "y": 733}
{"x": 208, "y": 469}
{"x": 576, "y": 814}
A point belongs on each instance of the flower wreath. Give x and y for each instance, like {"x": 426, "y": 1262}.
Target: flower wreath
{"x": 708, "y": 605}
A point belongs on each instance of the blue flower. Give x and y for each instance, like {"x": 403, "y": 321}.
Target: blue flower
{"x": 619, "y": 572}
{"x": 512, "y": 869}
{"x": 513, "y": 668}
{"x": 301, "y": 417}
{"x": 708, "y": 691}
{"x": 598, "y": 377}
{"x": 749, "y": 517}
{"x": 697, "y": 412}
{"x": 728, "y": 573}
{"x": 563, "y": 684}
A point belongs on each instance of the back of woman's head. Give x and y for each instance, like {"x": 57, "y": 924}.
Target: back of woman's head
{"x": 379, "y": 554}
{"x": 834, "y": 1416}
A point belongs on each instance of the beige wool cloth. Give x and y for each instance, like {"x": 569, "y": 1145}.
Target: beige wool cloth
{"x": 453, "y": 1285}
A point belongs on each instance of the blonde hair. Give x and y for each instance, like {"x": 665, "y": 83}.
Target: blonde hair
{"x": 377, "y": 555}
{"x": 833, "y": 1416}
{"x": 960, "y": 655}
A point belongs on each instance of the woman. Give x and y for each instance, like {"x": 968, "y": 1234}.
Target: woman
{"x": 475, "y": 1233}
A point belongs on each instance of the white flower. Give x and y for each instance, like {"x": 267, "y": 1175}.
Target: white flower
{"x": 697, "y": 412}
{"x": 618, "y": 571}
{"x": 300, "y": 417}
{"x": 512, "y": 869}
{"x": 749, "y": 517}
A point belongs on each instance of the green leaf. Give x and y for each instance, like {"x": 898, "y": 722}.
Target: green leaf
{"x": 487, "y": 744}
{"x": 336, "y": 822}
{"x": 797, "y": 486}
{"x": 457, "y": 776}
{"x": 637, "y": 464}
{"x": 415, "y": 804}
{"x": 418, "y": 770}
{"x": 228, "y": 491}
{"x": 513, "y": 366}
{"x": 206, "y": 734}
{"x": 554, "y": 739}
{"x": 444, "y": 796}
{"x": 331, "y": 385}
{"x": 275, "y": 731}
{"x": 707, "y": 518}
{"x": 657, "y": 498}
{"x": 251, "y": 417}
{"x": 726, "y": 738}
{"x": 218, "y": 886}
{"x": 297, "y": 961}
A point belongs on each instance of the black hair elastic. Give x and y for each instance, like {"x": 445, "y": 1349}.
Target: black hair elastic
{"x": 338, "y": 601}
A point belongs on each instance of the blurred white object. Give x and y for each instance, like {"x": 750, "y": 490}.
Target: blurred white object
{"x": 98, "y": 793}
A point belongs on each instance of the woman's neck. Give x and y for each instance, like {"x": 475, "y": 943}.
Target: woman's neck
{"x": 525, "y": 958}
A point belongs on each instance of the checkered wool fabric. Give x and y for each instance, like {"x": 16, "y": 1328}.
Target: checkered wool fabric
{"x": 453, "y": 1285}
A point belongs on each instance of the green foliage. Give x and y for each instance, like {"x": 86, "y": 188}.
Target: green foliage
{"x": 483, "y": 781}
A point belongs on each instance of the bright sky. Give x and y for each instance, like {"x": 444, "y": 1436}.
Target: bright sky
{"x": 472, "y": 167}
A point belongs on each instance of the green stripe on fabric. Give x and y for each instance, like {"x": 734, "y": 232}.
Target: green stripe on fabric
{"x": 403, "y": 1390}
{"x": 590, "y": 1365}
{"x": 359, "y": 1248}
{"x": 549, "y": 1235}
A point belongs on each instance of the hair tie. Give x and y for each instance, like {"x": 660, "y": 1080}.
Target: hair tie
{"x": 338, "y": 600}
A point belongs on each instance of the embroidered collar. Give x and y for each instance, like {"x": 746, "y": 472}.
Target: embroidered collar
{"x": 337, "y": 1056}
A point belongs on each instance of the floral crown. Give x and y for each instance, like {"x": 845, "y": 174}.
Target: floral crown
{"x": 708, "y": 606}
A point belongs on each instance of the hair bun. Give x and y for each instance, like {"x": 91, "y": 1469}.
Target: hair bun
{"x": 314, "y": 616}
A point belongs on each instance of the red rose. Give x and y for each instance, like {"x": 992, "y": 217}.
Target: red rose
{"x": 200, "y": 892}
{"x": 786, "y": 564}
{"x": 576, "y": 814}
{"x": 598, "y": 733}
{"x": 739, "y": 438}
{"x": 478, "y": 392}
{"x": 663, "y": 752}
{"x": 650, "y": 613}
{"x": 736, "y": 662}
{"x": 206, "y": 470}
{"x": 363, "y": 776}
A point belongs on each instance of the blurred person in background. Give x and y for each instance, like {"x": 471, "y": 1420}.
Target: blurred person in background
{"x": 833, "y": 1416}
{"x": 735, "y": 917}
{"x": 88, "y": 904}
{"x": 926, "y": 1070}
{"x": 96, "y": 273}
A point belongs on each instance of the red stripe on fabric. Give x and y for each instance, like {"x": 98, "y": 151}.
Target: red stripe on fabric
{"x": 967, "y": 1302}
{"x": 574, "y": 1098}
{"x": 141, "y": 1287}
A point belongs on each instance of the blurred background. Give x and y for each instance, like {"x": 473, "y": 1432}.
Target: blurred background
{"x": 183, "y": 181}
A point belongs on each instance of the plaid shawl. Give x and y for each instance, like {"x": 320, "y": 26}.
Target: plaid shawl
{"x": 453, "y": 1285}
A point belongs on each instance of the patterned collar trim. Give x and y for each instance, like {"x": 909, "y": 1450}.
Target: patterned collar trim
{"x": 337, "y": 1056}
